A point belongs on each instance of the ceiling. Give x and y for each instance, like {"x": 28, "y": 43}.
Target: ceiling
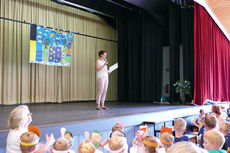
{"x": 159, "y": 9}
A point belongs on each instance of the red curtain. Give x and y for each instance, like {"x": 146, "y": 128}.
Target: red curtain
{"x": 212, "y": 59}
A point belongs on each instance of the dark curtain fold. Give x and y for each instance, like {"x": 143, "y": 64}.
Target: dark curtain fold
{"x": 212, "y": 59}
{"x": 174, "y": 44}
{"x": 139, "y": 58}
{"x": 188, "y": 45}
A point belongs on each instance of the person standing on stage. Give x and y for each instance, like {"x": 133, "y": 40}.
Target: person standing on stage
{"x": 102, "y": 79}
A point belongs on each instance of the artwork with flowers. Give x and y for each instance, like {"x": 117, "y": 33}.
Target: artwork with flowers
{"x": 50, "y": 47}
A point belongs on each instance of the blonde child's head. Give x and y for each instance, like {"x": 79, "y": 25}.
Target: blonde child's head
{"x": 96, "y": 138}
{"x": 225, "y": 127}
{"x": 210, "y": 121}
{"x": 213, "y": 140}
{"x": 185, "y": 147}
{"x": 62, "y": 144}
{"x": 151, "y": 144}
{"x": 116, "y": 143}
{"x": 86, "y": 147}
{"x": 167, "y": 140}
{"x": 180, "y": 125}
{"x": 28, "y": 141}
{"x": 117, "y": 127}
{"x": 20, "y": 117}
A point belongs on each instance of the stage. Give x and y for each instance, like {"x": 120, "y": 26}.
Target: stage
{"x": 78, "y": 117}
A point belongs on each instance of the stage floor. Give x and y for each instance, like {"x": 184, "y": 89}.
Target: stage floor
{"x": 48, "y": 114}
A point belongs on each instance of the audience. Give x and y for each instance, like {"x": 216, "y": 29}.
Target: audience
{"x": 150, "y": 144}
{"x": 210, "y": 122}
{"x": 24, "y": 138}
{"x": 225, "y": 129}
{"x": 185, "y": 147}
{"x": 198, "y": 121}
{"x": 166, "y": 138}
{"x": 19, "y": 120}
{"x": 214, "y": 141}
{"x": 180, "y": 127}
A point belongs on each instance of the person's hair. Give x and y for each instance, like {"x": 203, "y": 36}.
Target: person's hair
{"x": 216, "y": 109}
{"x": 95, "y": 138}
{"x": 185, "y": 147}
{"x": 167, "y": 139}
{"x": 153, "y": 144}
{"x": 225, "y": 127}
{"x": 117, "y": 127}
{"x": 201, "y": 111}
{"x": 27, "y": 137}
{"x": 180, "y": 124}
{"x": 18, "y": 117}
{"x": 215, "y": 137}
{"x": 101, "y": 52}
{"x": 61, "y": 144}
{"x": 210, "y": 121}
{"x": 115, "y": 143}
{"x": 86, "y": 147}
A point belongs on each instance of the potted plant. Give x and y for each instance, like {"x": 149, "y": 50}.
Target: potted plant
{"x": 184, "y": 88}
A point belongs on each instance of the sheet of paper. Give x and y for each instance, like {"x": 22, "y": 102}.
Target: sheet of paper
{"x": 113, "y": 67}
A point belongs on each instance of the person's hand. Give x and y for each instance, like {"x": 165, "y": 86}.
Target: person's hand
{"x": 50, "y": 140}
{"x": 106, "y": 63}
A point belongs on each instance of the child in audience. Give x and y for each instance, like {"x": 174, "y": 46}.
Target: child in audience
{"x": 29, "y": 140}
{"x": 225, "y": 129}
{"x": 61, "y": 145}
{"x": 19, "y": 120}
{"x": 116, "y": 144}
{"x": 96, "y": 139}
{"x": 166, "y": 138}
{"x": 137, "y": 141}
{"x": 117, "y": 127}
{"x": 150, "y": 144}
{"x": 86, "y": 147}
{"x": 210, "y": 123}
{"x": 185, "y": 147}
{"x": 213, "y": 141}
{"x": 180, "y": 128}
{"x": 216, "y": 110}
{"x": 198, "y": 121}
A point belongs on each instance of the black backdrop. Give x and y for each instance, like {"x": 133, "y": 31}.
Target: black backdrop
{"x": 140, "y": 58}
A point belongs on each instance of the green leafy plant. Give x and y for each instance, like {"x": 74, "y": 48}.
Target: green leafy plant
{"x": 183, "y": 87}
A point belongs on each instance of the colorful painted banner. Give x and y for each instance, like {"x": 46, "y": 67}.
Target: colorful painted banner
{"x": 50, "y": 47}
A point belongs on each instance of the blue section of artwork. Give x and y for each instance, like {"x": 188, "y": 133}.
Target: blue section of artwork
{"x": 52, "y": 54}
{"x": 58, "y": 55}
{"x": 39, "y": 43}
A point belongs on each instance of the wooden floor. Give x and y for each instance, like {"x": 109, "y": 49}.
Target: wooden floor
{"x": 52, "y": 114}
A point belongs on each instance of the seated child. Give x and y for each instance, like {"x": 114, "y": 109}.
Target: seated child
{"x": 198, "y": 121}
{"x": 150, "y": 144}
{"x": 186, "y": 147}
{"x": 86, "y": 147}
{"x": 225, "y": 129}
{"x": 180, "y": 127}
{"x": 29, "y": 141}
{"x": 166, "y": 138}
{"x": 116, "y": 144}
{"x": 213, "y": 141}
{"x": 117, "y": 127}
{"x": 142, "y": 132}
{"x": 96, "y": 139}
{"x": 61, "y": 145}
{"x": 210, "y": 123}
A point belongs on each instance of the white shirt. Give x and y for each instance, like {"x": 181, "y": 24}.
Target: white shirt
{"x": 103, "y": 72}
{"x": 13, "y": 140}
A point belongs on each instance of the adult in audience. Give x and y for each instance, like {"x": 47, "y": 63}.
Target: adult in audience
{"x": 19, "y": 120}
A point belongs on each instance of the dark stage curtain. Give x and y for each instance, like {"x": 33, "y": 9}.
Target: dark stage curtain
{"x": 212, "y": 59}
{"x": 174, "y": 44}
{"x": 139, "y": 58}
{"x": 187, "y": 15}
